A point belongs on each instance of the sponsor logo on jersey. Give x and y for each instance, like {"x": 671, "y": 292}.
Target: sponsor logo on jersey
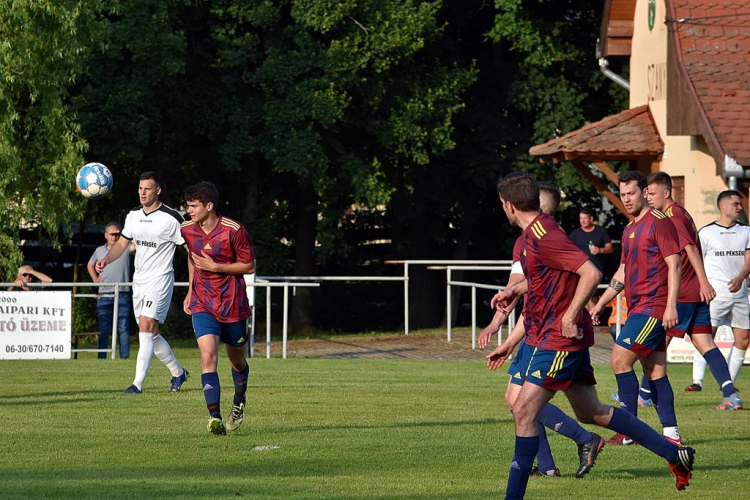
{"x": 632, "y": 235}
{"x": 207, "y": 247}
{"x": 144, "y": 243}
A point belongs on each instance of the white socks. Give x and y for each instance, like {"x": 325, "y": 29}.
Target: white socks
{"x": 166, "y": 356}
{"x": 148, "y": 346}
{"x": 145, "y": 352}
{"x": 699, "y": 368}
{"x": 735, "y": 359}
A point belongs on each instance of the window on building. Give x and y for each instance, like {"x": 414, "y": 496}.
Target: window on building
{"x": 678, "y": 190}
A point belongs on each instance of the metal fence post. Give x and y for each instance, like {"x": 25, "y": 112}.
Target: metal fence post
{"x": 115, "y": 315}
{"x": 406, "y": 298}
{"x": 286, "y": 320}
{"x": 473, "y": 317}
{"x": 448, "y": 311}
{"x": 268, "y": 322}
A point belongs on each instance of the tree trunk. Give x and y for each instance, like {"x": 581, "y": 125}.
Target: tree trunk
{"x": 304, "y": 255}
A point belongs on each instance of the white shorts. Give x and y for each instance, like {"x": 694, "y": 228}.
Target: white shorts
{"x": 730, "y": 313}
{"x": 152, "y": 299}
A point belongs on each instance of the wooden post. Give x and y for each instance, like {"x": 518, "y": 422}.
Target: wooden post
{"x": 599, "y": 185}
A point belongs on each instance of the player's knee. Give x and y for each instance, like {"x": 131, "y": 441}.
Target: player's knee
{"x": 510, "y": 399}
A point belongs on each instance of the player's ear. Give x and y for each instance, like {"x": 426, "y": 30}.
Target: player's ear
{"x": 210, "y": 206}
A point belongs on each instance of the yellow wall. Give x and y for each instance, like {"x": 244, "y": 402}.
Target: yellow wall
{"x": 683, "y": 155}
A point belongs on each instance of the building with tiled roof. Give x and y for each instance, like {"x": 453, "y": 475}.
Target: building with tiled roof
{"x": 689, "y": 88}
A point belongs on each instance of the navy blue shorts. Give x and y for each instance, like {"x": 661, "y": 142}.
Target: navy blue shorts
{"x": 642, "y": 335}
{"x": 517, "y": 370}
{"x": 558, "y": 370}
{"x": 692, "y": 317}
{"x": 234, "y": 334}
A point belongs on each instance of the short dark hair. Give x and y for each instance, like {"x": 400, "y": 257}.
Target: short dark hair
{"x": 634, "y": 175}
{"x": 204, "y": 192}
{"x": 727, "y": 194}
{"x": 549, "y": 189}
{"x": 153, "y": 176}
{"x": 661, "y": 178}
{"x": 521, "y": 190}
{"x": 587, "y": 211}
{"x": 110, "y": 224}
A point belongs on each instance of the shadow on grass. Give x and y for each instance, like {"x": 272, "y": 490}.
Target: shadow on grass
{"x": 401, "y": 425}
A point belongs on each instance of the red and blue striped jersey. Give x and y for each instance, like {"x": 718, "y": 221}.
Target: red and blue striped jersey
{"x": 221, "y": 295}
{"x": 645, "y": 244}
{"x": 687, "y": 234}
{"x": 550, "y": 261}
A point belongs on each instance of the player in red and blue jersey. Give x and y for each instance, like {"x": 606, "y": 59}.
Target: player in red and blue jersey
{"x": 552, "y": 417}
{"x": 650, "y": 270}
{"x": 560, "y": 279}
{"x": 695, "y": 291}
{"x": 220, "y": 253}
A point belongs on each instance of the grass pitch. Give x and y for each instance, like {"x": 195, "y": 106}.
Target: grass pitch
{"x": 323, "y": 429}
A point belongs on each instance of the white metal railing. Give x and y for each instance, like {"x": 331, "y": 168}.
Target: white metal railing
{"x": 512, "y": 316}
{"x": 259, "y": 283}
{"x": 405, "y": 279}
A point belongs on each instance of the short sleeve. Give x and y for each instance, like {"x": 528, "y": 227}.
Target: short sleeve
{"x": 243, "y": 246}
{"x": 557, "y": 251}
{"x": 127, "y": 229}
{"x": 517, "y": 249}
{"x": 176, "y": 234}
{"x": 685, "y": 231}
{"x": 704, "y": 241}
{"x": 666, "y": 237}
{"x": 517, "y": 268}
{"x": 95, "y": 255}
{"x": 747, "y": 234}
{"x": 603, "y": 236}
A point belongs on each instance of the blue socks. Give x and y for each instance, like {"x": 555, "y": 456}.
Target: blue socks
{"x": 544, "y": 456}
{"x": 212, "y": 393}
{"x": 645, "y": 390}
{"x": 664, "y": 401}
{"x": 554, "y": 418}
{"x": 627, "y": 388}
{"x": 625, "y": 423}
{"x": 240, "y": 384}
{"x": 719, "y": 369}
{"x": 520, "y": 468}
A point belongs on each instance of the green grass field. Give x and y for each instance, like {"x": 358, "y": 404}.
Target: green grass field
{"x": 345, "y": 429}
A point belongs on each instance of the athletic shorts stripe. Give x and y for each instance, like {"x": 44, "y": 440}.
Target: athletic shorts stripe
{"x": 650, "y": 324}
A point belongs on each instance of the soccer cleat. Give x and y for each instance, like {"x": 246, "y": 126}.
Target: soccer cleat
{"x": 682, "y": 470}
{"x": 216, "y": 427}
{"x": 620, "y": 439}
{"x": 132, "y": 390}
{"x": 587, "y": 454}
{"x": 236, "y": 417}
{"x": 694, "y": 388}
{"x": 178, "y": 381}
{"x": 616, "y": 398}
{"x": 733, "y": 402}
{"x": 644, "y": 403}
{"x": 677, "y": 442}
{"x": 536, "y": 472}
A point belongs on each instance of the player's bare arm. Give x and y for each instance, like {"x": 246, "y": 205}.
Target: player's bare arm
{"x": 500, "y": 314}
{"x": 706, "y": 290}
{"x": 736, "y": 283}
{"x": 589, "y": 279}
{"x": 114, "y": 253}
{"x": 673, "y": 290}
{"x": 497, "y": 357}
{"x": 189, "y": 296}
{"x": 614, "y": 288}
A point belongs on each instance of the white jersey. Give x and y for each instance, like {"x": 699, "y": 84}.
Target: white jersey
{"x": 156, "y": 235}
{"x": 723, "y": 257}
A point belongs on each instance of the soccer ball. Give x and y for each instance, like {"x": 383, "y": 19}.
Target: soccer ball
{"x": 94, "y": 181}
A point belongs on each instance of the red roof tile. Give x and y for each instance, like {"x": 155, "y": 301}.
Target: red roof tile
{"x": 715, "y": 40}
{"x": 630, "y": 134}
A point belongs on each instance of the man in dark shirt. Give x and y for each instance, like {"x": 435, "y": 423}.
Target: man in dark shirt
{"x": 592, "y": 240}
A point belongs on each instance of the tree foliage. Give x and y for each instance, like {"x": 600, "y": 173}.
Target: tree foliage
{"x": 43, "y": 46}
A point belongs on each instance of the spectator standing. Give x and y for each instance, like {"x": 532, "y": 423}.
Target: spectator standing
{"x": 26, "y": 275}
{"x": 116, "y": 272}
{"x": 593, "y": 240}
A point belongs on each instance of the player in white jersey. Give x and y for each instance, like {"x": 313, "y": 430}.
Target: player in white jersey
{"x": 155, "y": 229}
{"x": 726, "y": 256}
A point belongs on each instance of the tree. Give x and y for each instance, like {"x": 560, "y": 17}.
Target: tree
{"x": 43, "y": 45}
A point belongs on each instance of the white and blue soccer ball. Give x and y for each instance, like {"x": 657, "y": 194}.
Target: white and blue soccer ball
{"x": 94, "y": 181}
